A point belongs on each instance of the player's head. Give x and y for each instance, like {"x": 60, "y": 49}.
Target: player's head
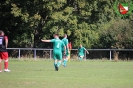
{"x": 56, "y": 35}
{"x": 1, "y": 32}
{"x": 80, "y": 45}
{"x": 65, "y": 35}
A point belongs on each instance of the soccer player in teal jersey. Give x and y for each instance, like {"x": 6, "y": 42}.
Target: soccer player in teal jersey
{"x": 81, "y": 50}
{"x": 57, "y": 50}
{"x": 65, "y": 56}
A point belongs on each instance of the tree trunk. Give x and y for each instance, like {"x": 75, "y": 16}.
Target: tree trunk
{"x": 116, "y": 55}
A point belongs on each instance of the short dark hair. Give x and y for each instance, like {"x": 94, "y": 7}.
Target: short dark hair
{"x": 56, "y": 34}
{"x": 1, "y": 32}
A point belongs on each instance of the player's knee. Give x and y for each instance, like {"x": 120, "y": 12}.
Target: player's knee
{"x": 6, "y": 60}
{"x": 81, "y": 56}
{"x": 66, "y": 57}
{"x": 59, "y": 61}
{"x": 55, "y": 60}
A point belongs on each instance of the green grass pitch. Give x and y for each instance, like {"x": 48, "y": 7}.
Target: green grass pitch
{"x": 85, "y": 74}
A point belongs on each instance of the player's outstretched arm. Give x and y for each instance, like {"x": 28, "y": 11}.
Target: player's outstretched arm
{"x": 45, "y": 40}
{"x": 87, "y": 51}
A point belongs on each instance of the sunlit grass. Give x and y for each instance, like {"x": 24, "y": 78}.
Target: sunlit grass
{"x": 85, "y": 74}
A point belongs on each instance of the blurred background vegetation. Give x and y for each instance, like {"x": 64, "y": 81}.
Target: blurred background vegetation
{"x": 93, "y": 23}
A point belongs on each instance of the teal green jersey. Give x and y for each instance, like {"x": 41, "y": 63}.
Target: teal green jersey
{"x": 63, "y": 45}
{"x": 81, "y": 51}
{"x": 57, "y": 48}
{"x": 57, "y": 45}
{"x": 65, "y": 41}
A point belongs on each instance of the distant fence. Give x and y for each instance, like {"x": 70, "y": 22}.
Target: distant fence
{"x": 42, "y": 52}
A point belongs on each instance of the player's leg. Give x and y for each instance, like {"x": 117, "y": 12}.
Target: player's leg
{"x": 55, "y": 62}
{"x": 5, "y": 57}
{"x": 59, "y": 56}
{"x": 55, "y": 65}
{"x": 0, "y": 63}
{"x": 81, "y": 58}
{"x": 6, "y": 66}
{"x": 59, "y": 63}
{"x": 0, "y": 66}
{"x": 65, "y": 59}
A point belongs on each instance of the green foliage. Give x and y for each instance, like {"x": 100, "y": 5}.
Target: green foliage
{"x": 118, "y": 35}
{"x": 91, "y": 23}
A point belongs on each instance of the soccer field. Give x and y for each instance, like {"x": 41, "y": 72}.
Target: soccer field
{"x": 85, "y": 74}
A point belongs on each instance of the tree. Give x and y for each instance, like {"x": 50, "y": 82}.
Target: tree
{"x": 91, "y": 23}
{"x": 118, "y": 36}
